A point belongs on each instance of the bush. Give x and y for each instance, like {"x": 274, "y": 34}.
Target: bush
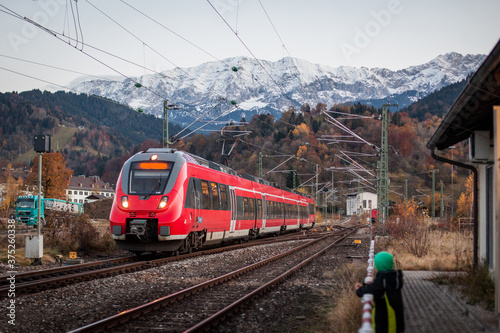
{"x": 413, "y": 235}
{"x": 476, "y": 283}
{"x": 72, "y": 233}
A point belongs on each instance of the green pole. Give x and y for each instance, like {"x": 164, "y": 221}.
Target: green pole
{"x": 433, "y": 203}
{"x": 260, "y": 164}
{"x": 165, "y": 142}
{"x": 383, "y": 178}
{"x": 441, "y": 209}
{"x": 406, "y": 190}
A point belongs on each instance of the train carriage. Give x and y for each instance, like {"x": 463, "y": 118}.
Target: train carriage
{"x": 168, "y": 200}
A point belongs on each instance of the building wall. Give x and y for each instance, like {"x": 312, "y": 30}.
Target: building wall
{"x": 360, "y": 202}
{"x": 351, "y": 205}
{"x": 79, "y": 195}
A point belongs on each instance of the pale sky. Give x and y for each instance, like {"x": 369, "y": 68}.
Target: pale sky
{"x": 392, "y": 34}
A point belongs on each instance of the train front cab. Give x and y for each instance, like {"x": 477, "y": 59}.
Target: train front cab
{"x": 147, "y": 208}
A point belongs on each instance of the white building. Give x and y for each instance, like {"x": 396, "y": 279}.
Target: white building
{"x": 358, "y": 203}
{"x": 81, "y": 187}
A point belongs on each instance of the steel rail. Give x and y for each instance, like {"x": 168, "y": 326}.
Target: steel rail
{"x": 127, "y": 315}
{"x": 67, "y": 275}
{"x": 213, "y": 320}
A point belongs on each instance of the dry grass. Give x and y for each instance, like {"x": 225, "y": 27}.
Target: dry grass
{"x": 345, "y": 315}
{"x": 447, "y": 251}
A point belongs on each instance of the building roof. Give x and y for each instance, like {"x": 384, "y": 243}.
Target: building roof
{"x": 89, "y": 183}
{"x": 362, "y": 192}
{"x": 473, "y": 109}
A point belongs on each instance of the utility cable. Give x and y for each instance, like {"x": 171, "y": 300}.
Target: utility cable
{"x": 250, "y": 51}
{"x": 50, "y": 66}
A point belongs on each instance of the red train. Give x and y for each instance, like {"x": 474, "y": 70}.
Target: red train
{"x": 168, "y": 200}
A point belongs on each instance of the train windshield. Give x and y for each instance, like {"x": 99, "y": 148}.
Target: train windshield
{"x": 25, "y": 203}
{"x": 149, "y": 178}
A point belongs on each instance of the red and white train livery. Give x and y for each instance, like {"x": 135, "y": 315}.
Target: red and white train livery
{"x": 168, "y": 200}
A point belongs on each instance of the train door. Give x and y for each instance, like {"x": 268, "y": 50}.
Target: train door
{"x": 196, "y": 205}
{"x": 264, "y": 212}
{"x": 297, "y": 213}
{"x": 232, "y": 226}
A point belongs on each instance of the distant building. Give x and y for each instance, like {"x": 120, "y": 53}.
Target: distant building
{"x": 81, "y": 188}
{"x": 358, "y": 203}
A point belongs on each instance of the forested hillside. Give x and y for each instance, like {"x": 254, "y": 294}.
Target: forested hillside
{"x": 101, "y": 135}
{"x": 100, "y": 129}
{"x": 437, "y": 103}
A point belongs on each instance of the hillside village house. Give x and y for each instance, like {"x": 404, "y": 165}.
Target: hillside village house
{"x": 475, "y": 116}
{"x": 358, "y": 203}
{"x": 81, "y": 188}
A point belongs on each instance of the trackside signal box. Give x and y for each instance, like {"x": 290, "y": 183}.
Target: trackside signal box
{"x": 42, "y": 143}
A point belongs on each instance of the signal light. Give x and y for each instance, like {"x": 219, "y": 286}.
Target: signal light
{"x": 154, "y": 157}
{"x": 163, "y": 202}
{"x": 125, "y": 202}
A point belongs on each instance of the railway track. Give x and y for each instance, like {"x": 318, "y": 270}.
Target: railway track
{"x": 39, "y": 280}
{"x": 202, "y": 306}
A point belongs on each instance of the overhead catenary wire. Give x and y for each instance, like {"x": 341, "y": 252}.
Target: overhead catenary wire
{"x": 251, "y": 53}
{"x": 54, "y": 67}
{"x": 57, "y": 36}
{"x": 147, "y": 45}
{"x": 61, "y": 86}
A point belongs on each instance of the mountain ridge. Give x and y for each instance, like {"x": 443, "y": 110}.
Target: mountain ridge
{"x": 271, "y": 87}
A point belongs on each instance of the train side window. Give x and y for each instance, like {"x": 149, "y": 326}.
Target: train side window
{"x": 239, "y": 208}
{"x": 190, "y": 194}
{"x": 223, "y": 197}
{"x": 259, "y": 209}
{"x": 205, "y": 194}
{"x": 246, "y": 209}
{"x": 251, "y": 209}
{"x": 215, "y": 196}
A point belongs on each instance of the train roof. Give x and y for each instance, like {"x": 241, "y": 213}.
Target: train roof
{"x": 194, "y": 159}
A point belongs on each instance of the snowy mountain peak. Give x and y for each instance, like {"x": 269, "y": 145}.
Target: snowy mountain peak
{"x": 266, "y": 86}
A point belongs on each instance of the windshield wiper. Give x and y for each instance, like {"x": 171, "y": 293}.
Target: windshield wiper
{"x": 155, "y": 189}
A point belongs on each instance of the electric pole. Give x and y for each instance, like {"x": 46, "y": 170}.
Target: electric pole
{"x": 383, "y": 168}
{"x": 406, "y": 190}
{"x": 441, "y": 208}
{"x": 166, "y": 140}
{"x": 260, "y": 164}
{"x": 433, "y": 204}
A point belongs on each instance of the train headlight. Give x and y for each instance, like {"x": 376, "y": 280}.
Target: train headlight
{"x": 125, "y": 202}
{"x": 163, "y": 202}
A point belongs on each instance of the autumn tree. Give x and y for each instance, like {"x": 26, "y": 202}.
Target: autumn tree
{"x": 11, "y": 191}
{"x": 465, "y": 201}
{"x": 55, "y": 175}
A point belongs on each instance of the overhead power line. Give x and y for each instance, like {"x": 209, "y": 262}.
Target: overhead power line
{"x": 51, "y": 66}
{"x": 250, "y": 51}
